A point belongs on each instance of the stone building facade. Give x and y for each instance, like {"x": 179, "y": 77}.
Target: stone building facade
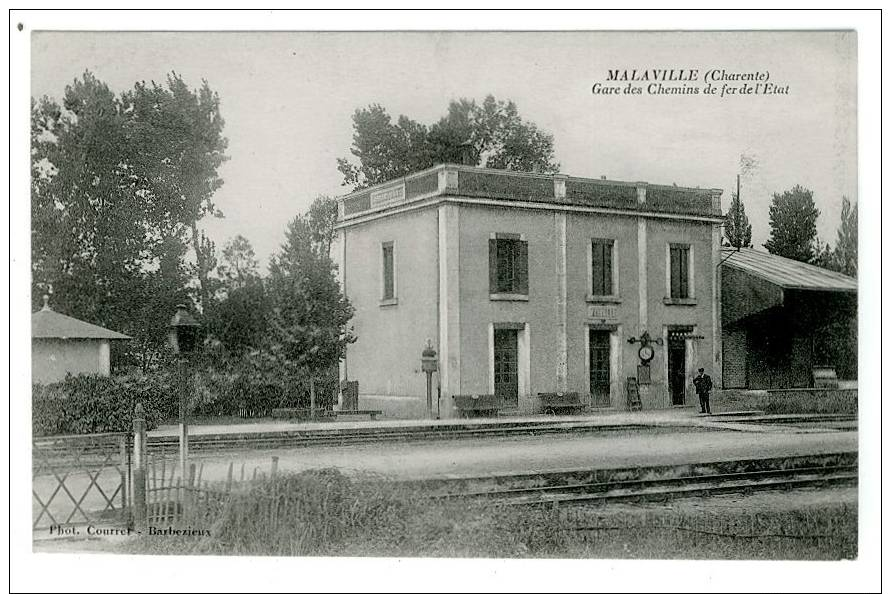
{"x": 528, "y": 283}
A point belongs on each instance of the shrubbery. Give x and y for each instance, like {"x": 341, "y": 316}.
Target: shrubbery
{"x": 96, "y": 404}
{"x": 249, "y": 393}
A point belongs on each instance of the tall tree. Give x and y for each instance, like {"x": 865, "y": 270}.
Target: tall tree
{"x": 491, "y": 134}
{"x": 239, "y": 266}
{"x": 321, "y": 218}
{"x": 845, "y": 254}
{"x": 823, "y": 255}
{"x": 116, "y": 181}
{"x": 205, "y": 264}
{"x": 180, "y": 146}
{"x": 793, "y": 224}
{"x": 309, "y": 314}
{"x": 240, "y": 308}
{"x": 737, "y": 230}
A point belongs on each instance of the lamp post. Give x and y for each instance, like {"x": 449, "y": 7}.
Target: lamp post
{"x": 428, "y": 366}
{"x": 182, "y": 334}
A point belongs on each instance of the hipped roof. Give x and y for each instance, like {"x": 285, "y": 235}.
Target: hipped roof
{"x": 47, "y": 323}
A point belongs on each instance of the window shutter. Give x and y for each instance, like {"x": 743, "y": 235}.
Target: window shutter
{"x": 493, "y": 266}
{"x": 685, "y": 273}
{"x": 675, "y": 272}
{"x": 607, "y": 269}
{"x": 596, "y": 268}
{"x": 388, "y": 272}
{"x": 521, "y": 267}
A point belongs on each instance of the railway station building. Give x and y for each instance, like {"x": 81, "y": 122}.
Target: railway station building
{"x": 526, "y": 283}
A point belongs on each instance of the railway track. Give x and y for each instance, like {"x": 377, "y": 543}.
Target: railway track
{"x": 660, "y": 483}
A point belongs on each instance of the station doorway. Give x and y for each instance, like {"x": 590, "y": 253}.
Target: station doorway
{"x": 599, "y": 366}
{"x": 506, "y": 366}
{"x": 677, "y": 363}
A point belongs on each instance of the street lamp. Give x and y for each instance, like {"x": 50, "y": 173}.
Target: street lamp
{"x": 428, "y": 366}
{"x": 183, "y": 332}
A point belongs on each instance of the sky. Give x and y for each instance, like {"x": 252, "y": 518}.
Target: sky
{"x": 287, "y": 100}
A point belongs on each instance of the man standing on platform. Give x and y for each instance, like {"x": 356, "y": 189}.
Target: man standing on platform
{"x": 703, "y": 384}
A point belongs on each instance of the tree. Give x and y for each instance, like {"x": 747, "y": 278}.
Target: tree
{"x": 239, "y": 320}
{"x": 118, "y": 185}
{"x": 85, "y": 234}
{"x": 793, "y": 224}
{"x": 824, "y": 257}
{"x": 308, "y": 313}
{"x": 845, "y": 255}
{"x": 177, "y": 134}
{"x": 321, "y": 219}
{"x": 492, "y": 134}
{"x": 238, "y": 317}
{"x": 737, "y": 229}
{"x": 205, "y": 264}
{"x": 239, "y": 266}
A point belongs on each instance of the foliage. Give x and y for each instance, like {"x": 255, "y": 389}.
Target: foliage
{"x": 97, "y": 404}
{"x": 491, "y": 134}
{"x": 823, "y": 255}
{"x": 248, "y": 387}
{"x": 793, "y": 224}
{"x": 737, "y": 230}
{"x": 313, "y": 512}
{"x": 118, "y": 185}
{"x": 321, "y": 218}
{"x": 323, "y": 512}
{"x": 787, "y": 402}
{"x": 251, "y": 386}
{"x": 239, "y": 266}
{"x": 845, "y": 254}
{"x": 309, "y": 313}
{"x": 239, "y": 319}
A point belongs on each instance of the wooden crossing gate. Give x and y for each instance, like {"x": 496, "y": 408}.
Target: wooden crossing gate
{"x": 81, "y": 479}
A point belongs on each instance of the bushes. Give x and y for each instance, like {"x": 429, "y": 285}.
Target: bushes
{"x": 830, "y": 401}
{"x": 250, "y": 393}
{"x": 791, "y": 401}
{"x": 97, "y": 404}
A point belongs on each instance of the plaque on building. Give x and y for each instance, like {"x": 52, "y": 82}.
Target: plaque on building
{"x": 603, "y": 312}
{"x": 387, "y": 197}
{"x": 643, "y": 375}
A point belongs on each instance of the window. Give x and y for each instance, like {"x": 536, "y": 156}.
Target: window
{"x": 679, "y": 257}
{"x": 602, "y": 267}
{"x": 388, "y": 272}
{"x": 508, "y": 265}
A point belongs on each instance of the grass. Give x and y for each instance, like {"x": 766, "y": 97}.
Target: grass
{"x": 322, "y": 512}
{"x": 790, "y": 402}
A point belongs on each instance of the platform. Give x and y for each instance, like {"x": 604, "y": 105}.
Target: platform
{"x": 675, "y": 417}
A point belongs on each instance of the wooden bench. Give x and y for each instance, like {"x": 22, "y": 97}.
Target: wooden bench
{"x": 371, "y": 413}
{"x": 562, "y": 402}
{"x": 477, "y": 405}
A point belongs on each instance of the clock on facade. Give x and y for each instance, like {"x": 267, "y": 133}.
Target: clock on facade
{"x": 645, "y": 353}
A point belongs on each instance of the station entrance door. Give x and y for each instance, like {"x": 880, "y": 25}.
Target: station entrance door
{"x": 677, "y": 363}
